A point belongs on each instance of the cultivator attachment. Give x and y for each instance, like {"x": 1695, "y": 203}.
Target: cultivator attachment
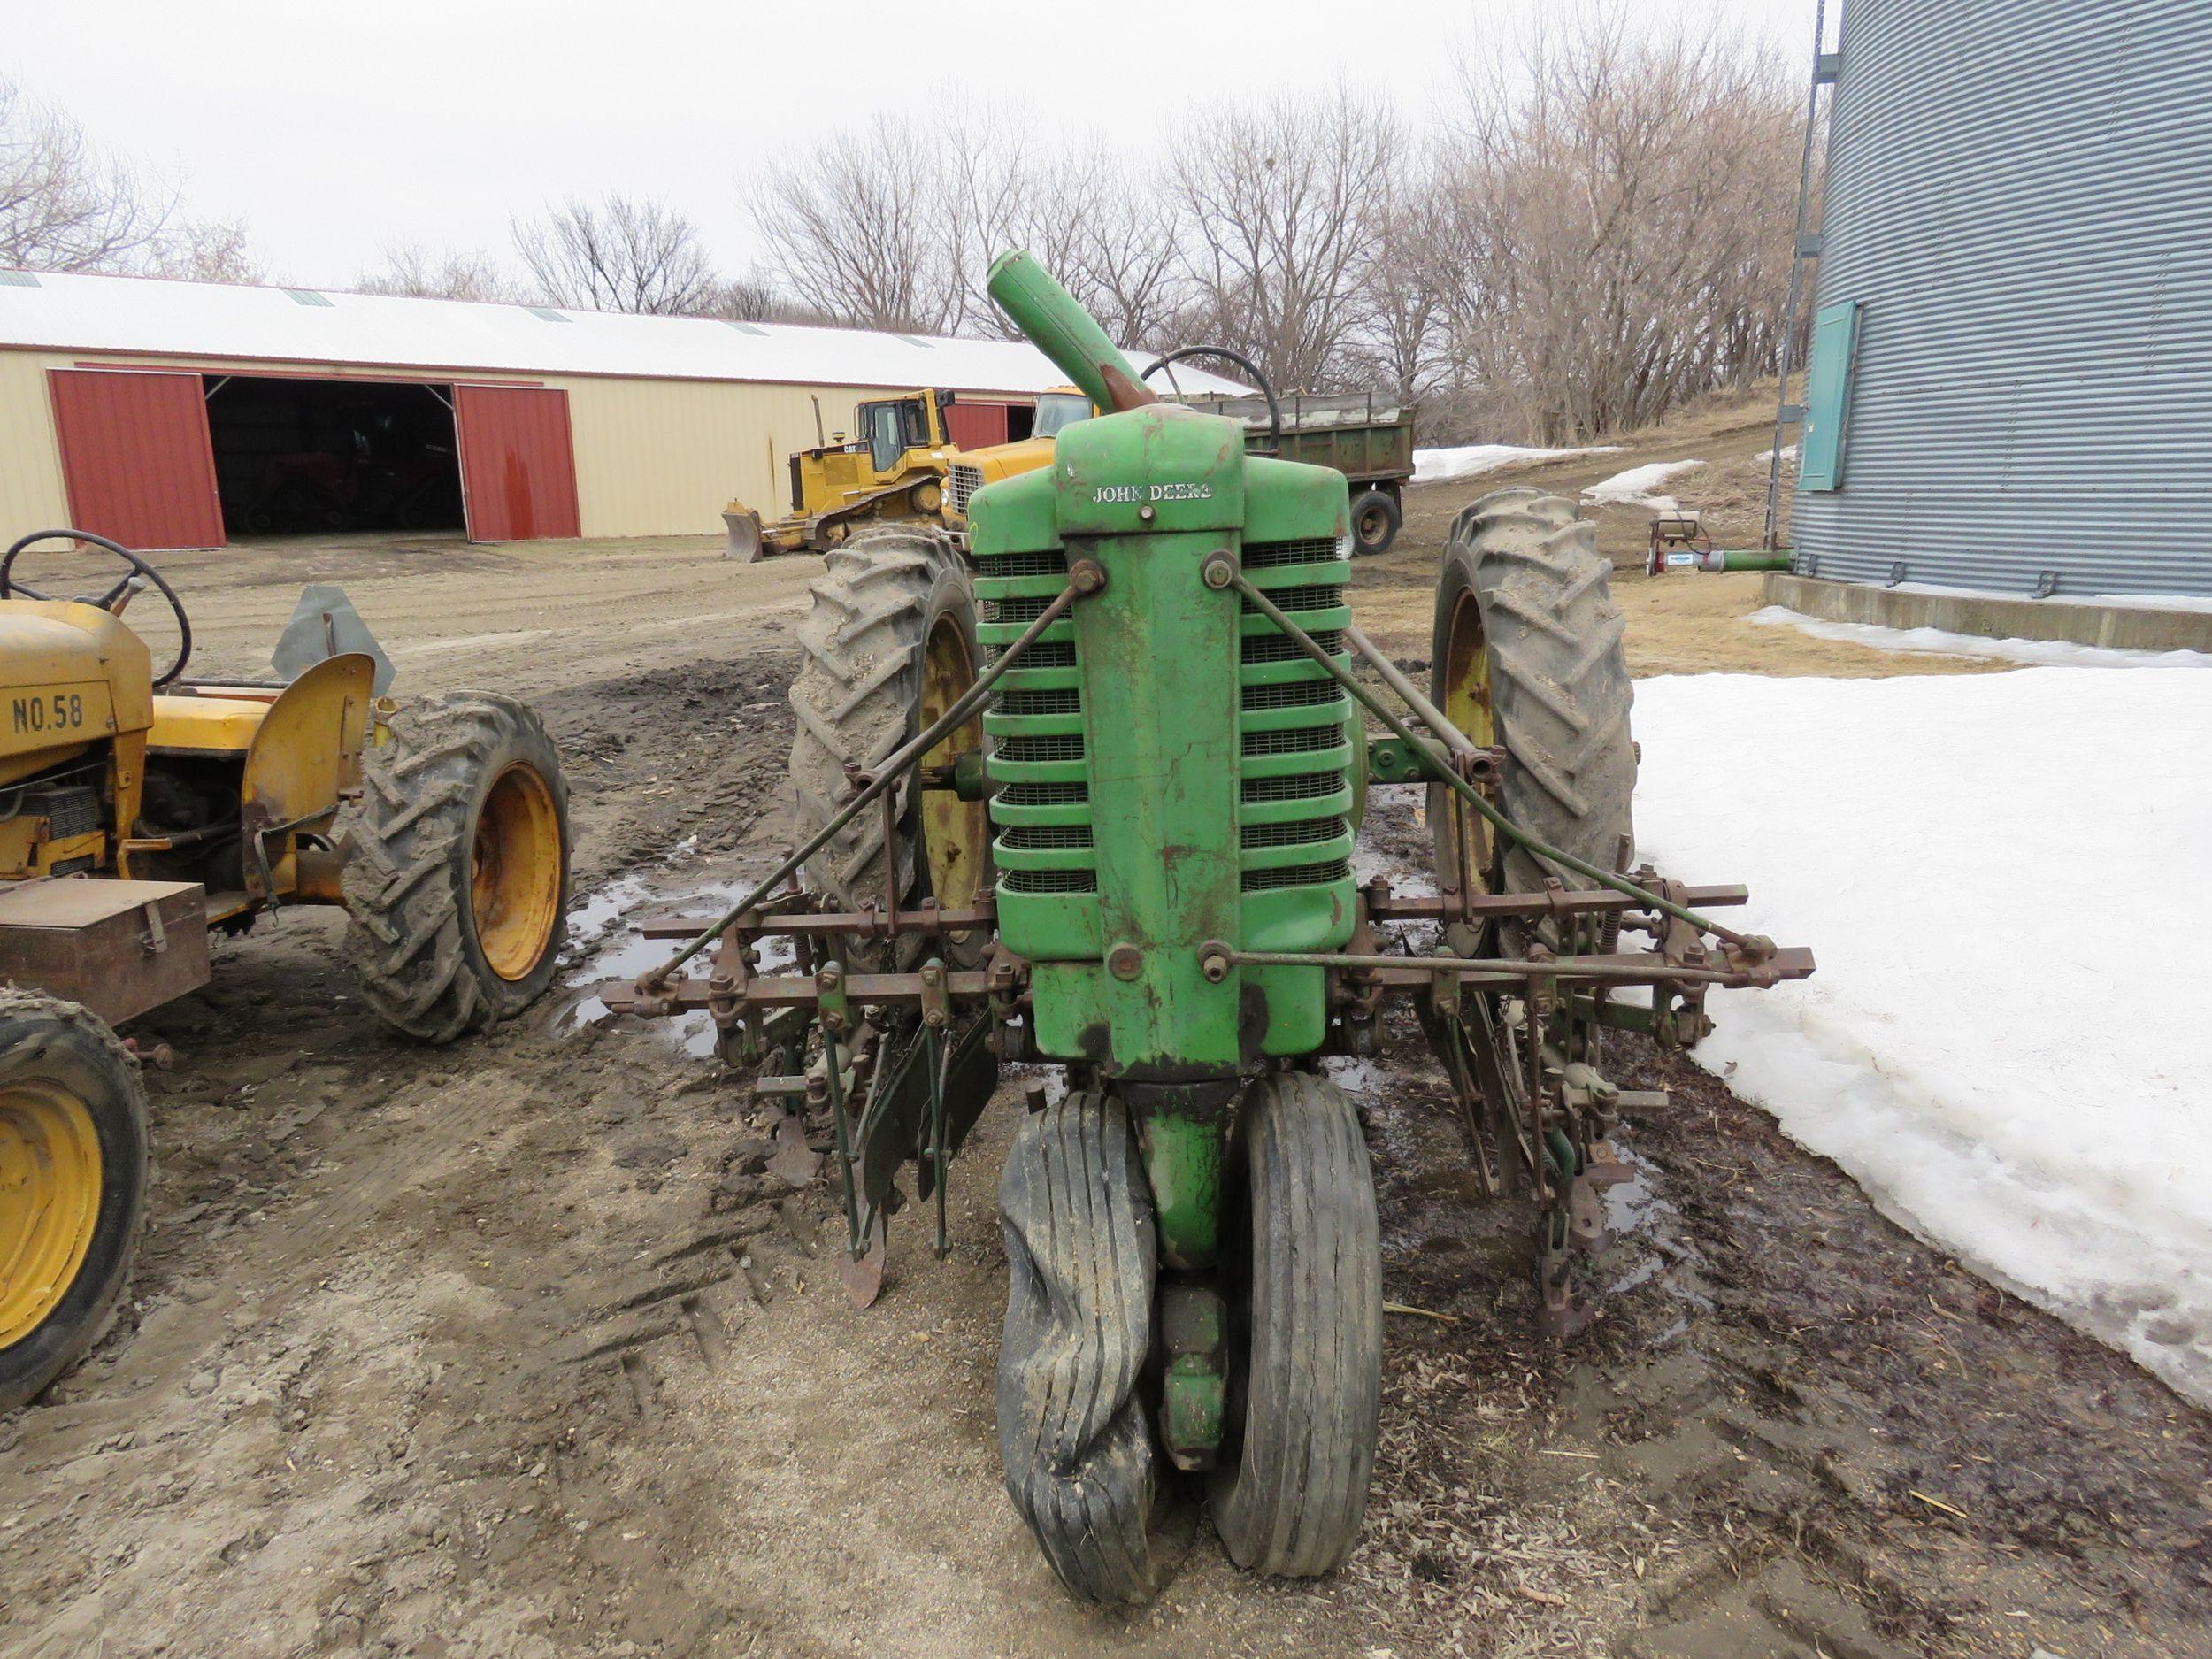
{"x": 1084, "y": 794}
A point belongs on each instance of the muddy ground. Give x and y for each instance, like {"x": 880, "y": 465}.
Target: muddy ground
{"x": 510, "y": 1349}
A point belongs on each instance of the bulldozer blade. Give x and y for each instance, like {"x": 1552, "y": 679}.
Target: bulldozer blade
{"x": 746, "y": 542}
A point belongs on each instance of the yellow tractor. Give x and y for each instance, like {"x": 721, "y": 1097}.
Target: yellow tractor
{"x": 138, "y": 809}
{"x": 967, "y": 471}
{"x": 892, "y": 469}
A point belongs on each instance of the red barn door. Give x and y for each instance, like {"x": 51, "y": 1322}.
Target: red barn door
{"x": 136, "y": 457}
{"x": 517, "y": 463}
{"x": 975, "y": 426}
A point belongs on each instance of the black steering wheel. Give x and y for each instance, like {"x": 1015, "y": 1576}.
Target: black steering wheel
{"x": 115, "y": 598}
{"x": 1274, "y": 410}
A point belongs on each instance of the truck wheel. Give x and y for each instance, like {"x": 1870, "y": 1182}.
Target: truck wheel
{"x": 456, "y": 875}
{"x": 1527, "y": 652}
{"x": 1376, "y": 517}
{"x": 1073, "y": 1432}
{"x": 73, "y": 1184}
{"x": 1305, "y": 1374}
{"x": 890, "y": 644}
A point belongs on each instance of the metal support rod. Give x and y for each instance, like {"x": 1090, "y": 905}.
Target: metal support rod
{"x": 1512, "y": 967}
{"x": 1394, "y": 677}
{"x": 885, "y": 775}
{"x": 1441, "y": 765}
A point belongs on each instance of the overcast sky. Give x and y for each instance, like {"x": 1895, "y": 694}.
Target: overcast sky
{"x": 336, "y": 132}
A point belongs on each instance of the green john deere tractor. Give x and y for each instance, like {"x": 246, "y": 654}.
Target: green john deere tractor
{"x": 1087, "y": 797}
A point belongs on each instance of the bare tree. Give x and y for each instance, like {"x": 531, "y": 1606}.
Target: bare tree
{"x": 206, "y": 250}
{"x": 414, "y": 272}
{"x": 65, "y": 204}
{"x": 856, "y": 224}
{"x": 1283, "y": 207}
{"x": 622, "y": 254}
{"x": 1619, "y": 209}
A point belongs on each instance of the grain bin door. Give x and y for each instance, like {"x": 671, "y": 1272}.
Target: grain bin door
{"x": 975, "y": 426}
{"x": 517, "y": 463}
{"x": 136, "y": 457}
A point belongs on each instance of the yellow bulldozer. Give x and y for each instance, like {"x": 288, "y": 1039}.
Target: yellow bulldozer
{"x": 892, "y": 469}
{"x": 140, "y": 808}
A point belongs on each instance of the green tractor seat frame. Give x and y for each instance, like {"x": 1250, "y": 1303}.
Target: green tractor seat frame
{"x": 1087, "y": 797}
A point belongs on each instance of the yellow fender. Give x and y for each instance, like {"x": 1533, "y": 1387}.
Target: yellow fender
{"x": 305, "y": 754}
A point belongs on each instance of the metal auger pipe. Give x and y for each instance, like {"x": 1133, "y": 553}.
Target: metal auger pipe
{"x": 885, "y": 775}
{"x": 1441, "y": 765}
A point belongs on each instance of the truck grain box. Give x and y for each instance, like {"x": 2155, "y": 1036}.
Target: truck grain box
{"x": 1366, "y": 437}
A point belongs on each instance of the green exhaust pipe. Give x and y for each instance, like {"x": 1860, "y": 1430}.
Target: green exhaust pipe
{"x": 1064, "y": 331}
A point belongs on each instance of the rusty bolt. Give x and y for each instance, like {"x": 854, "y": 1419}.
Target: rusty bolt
{"x": 1220, "y": 569}
{"x": 1087, "y": 576}
{"x": 1125, "y": 962}
{"x": 1213, "y": 961}
{"x": 829, "y": 977}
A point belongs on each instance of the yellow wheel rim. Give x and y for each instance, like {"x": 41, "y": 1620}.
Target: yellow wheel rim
{"x": 515, "y": 872}
{"x": 954, "y": 832}
{"x": 1466, "y": 705}
{"x": 49, "y": 1202}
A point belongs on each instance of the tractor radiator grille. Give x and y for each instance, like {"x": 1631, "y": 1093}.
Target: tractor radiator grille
{"x": 1267, "y": 556}
{"x": 1045, "y": 562}
{"x": 1030, "y": 751}
{"x": 1043, "y": 654}
{"x": 1046, "y": 794}
{"x": 1293, "y": 694}
{"x": 1064, "y": 699}
{"x": 1036, "y": 838}
{"x": 1299, "y": 832}
{"x": 1051, "y": 880}
{"x": 1022, "y": 608}
{"x": 1293, "y": 741}
{"x": 1287, "y": 765}
{"x": 1313, "y": 596}
{"x": 1280, "y": 648}
{"x": 1295, "y": 791}
{"x": 1297, "y": 875}
{"x": 961, "y": 484}
{"x": 1298, "y": 786}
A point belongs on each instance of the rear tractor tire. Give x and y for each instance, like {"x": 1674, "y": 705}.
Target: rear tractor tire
{"x": 1073, "y": 1428}
{"x": 1527, "y": 653}
{"x": 890, "y": 645}
{"x": 458, "y": 872}
{"x": 73, "y": 1185}
{"x": 1305, "y": 1376}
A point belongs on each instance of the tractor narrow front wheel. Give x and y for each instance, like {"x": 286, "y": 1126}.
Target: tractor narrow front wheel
{"x": 1306, "y": 1365}
{"x": 1076, "y": 1210}
{"x": 73, "y": 1184}
{"x": 456, "y": 875}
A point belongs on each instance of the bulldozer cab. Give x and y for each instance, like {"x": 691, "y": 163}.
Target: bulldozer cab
{"x": 891, "y": 428}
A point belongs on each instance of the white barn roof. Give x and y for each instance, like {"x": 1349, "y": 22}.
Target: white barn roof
{"x": 147, "y": 316}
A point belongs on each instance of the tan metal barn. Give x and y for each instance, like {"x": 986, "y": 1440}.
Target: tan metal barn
{"x": 178, "y": 414}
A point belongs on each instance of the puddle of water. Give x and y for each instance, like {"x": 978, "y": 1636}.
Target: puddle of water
{"x": 605, "y": 931}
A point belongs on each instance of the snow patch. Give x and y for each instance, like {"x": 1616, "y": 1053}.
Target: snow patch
{"x": 1470, "y": 460}
{"x": 2007, "y": 1073}
{"x": 1635, "y": 488}
{"x": 2044, "y": 653}
{"x": 1791, "y": 452}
